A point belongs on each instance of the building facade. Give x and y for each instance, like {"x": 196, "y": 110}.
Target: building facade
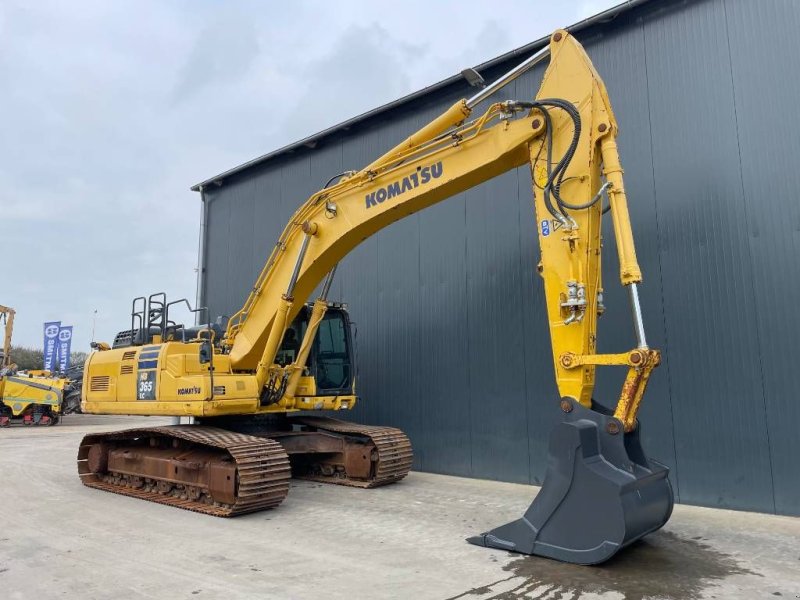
{"x": 452, "y": 339}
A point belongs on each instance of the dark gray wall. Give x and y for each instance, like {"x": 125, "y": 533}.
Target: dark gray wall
{"x": 452, "y": 335}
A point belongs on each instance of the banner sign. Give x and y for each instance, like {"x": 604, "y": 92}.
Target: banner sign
{"x": 64, "y": 345}
{"x": 51, "y": 329}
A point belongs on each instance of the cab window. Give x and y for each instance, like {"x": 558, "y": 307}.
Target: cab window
{"x": 332, "y": 355}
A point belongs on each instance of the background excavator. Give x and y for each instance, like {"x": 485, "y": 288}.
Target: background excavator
{"x": 279, "y": 355}
{"x": 33, "y": 397}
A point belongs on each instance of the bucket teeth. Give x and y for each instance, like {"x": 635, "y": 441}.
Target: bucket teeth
{"x": 600, "y": 493}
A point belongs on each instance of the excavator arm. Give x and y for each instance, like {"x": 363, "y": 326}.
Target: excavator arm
{"x": 567, "y": 136}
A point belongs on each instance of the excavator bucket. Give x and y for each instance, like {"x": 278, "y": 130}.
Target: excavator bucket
{"x": 600, "y": 494}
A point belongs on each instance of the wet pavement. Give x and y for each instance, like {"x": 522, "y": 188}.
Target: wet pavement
{"x": 663, "y": 565}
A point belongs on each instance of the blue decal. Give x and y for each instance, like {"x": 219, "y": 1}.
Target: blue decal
{"x": 545, "y": 227}
{"x": 146, "y": 389}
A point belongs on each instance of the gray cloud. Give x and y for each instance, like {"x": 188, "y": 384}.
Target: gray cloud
{"x": 365, "y": 67}
{"x": 222, "y": 54}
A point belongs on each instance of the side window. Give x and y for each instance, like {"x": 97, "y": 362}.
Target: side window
{"x": 333, "y": 369}
{"x": 331, "y": 336}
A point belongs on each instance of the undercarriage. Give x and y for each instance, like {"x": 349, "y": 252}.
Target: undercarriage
{"x": 243, "y": 465}
{"x": 34, "y": 414}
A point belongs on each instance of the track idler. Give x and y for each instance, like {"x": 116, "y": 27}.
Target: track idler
{"x": 600, "y": 494}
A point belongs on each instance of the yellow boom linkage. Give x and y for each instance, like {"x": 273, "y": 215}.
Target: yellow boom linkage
{"x": 588, "y": 508}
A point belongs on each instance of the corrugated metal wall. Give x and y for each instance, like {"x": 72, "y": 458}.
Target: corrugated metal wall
{"x": 452, "y": 336}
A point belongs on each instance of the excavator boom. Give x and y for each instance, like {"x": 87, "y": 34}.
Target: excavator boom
{"x": 571, "y": 121}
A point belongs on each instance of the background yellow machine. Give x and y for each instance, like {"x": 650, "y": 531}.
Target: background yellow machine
{"x": 279, "y": 355}
{"x": 33, "y": 397}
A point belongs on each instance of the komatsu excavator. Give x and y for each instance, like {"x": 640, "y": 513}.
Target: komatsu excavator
{"x": 279, "y": 355}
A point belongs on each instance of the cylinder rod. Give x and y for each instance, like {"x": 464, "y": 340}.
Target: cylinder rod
{"x": 504, "y": 80}
{"x": 326, "y": 287}
{"x": 638, "y": 322}
{"x": 297, "y": 265}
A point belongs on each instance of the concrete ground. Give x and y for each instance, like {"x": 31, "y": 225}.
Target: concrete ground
{"x": 59, "y": 539}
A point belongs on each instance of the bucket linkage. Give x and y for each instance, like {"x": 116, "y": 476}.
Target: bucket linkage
{"x": 600, "y": 494}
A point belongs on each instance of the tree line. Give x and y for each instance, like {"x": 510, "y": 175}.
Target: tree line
{"x": 33, "y": 358}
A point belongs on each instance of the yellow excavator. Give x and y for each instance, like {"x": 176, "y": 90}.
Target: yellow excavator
{"x": 33, "y": 397}
{"x": 245, "y": 383}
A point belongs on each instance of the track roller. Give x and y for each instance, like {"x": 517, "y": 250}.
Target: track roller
{"x": 333, "y": 451}
{"x": 204, "y": 469}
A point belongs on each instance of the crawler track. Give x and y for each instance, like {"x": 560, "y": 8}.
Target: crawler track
{"x": 394, "y": 453}
{"x": 262, "y": 470}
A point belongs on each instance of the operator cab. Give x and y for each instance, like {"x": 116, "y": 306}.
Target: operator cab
{"x": 330, "y": 362}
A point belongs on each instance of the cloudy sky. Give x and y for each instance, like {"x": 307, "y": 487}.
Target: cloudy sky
{"x": 112, "y": 110}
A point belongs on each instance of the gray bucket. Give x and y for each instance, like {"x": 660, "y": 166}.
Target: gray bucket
{"x": 600, "y": 494}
